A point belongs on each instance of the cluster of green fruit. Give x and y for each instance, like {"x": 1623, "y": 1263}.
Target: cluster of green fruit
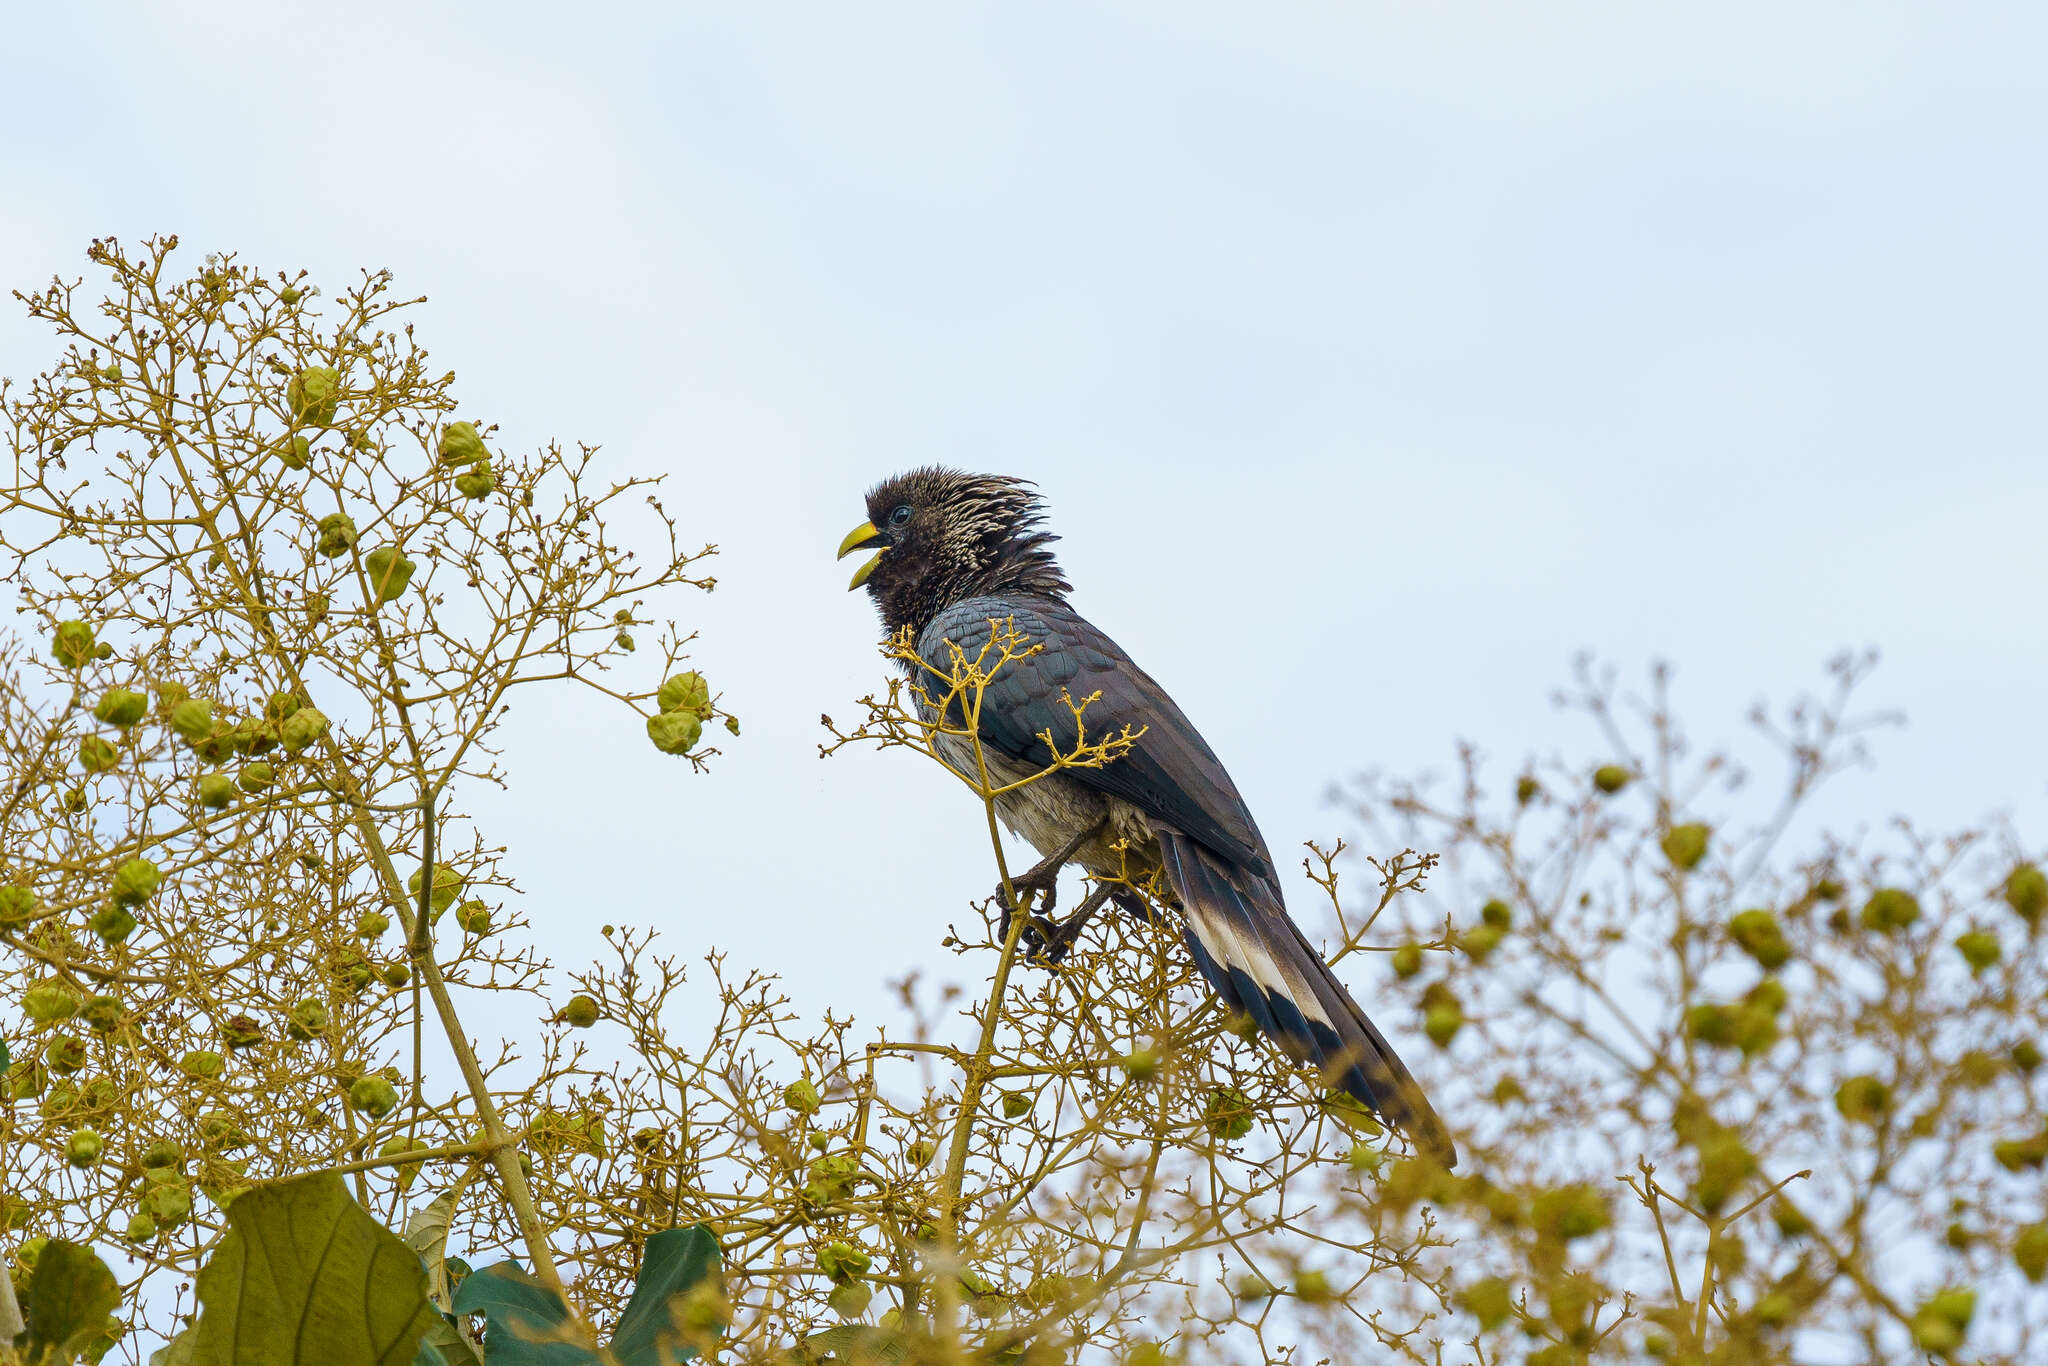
{"x": 685, "y": 705}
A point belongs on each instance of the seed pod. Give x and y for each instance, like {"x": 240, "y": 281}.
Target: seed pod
{"x": 732, "y": 724}
{"x": 1979, "y": 948}
{"x": 850, "y": 1301}
{"x": 1489, "y": 1301}
{"x": 307, "y": 1020}
{"x": 65, "y": 1054}
{"x": 1227, "y": 1114}
{"x": 624, "y": 640}
{"x": 581, "y": 1012}
{"x": 141, "y": 1228}
{"x": 372, "y": 924}
{"x": 135, "y": 882}
{"x": 1611, "y": 778}
{"x": 337, "y": 534}
{"x": 390, "y": 571}
{"x": 447, "y": 886}
{"x": 1757, "y": 932}
{"x": 96, "y": 755}
{"x": 192, "y": 720}
{"x": 17, "y": 904}
{"x": 1016, "y": 1105}
{"x": 842, "y": 1261}
{"x": 163, "y": 1152}
{"x": 74, "y": 800}
{"x": 289, "y": 295}
{"x": 1312, "y": 1287}
{"x": 82, "y": 1149}
{"x": 241, "y": 1031}
{"x": 1940, "y": 1324}
{"x": 169, "y": 1202}
{"x": 2030, "y": 1252}
{"x": 214, "y": 790}
{"x": 1442, "y": 1021}
{"x": 26, "y": 1080}
{"x": 202, "y": 1064}
{"x": 1527, "y": 790}
{"x": 1407, "y": 960}
{"x": 1890, "y": 909}
{"x": 1140, "y": 1064}
{"x": 674, "y": 732}
{"x": 1497, "y": 914}
{"x": 406, "y": 1172}
{"x": 2026, "y": 891}
{"x": 1479, "y": 942}
{"x": 686, "y": 692}
{"x": 121, "y": 707}
{"x": 113, "y": 924}
{"x": 221, "y": 1130}
{"x": 301, "y": 729}
{"x": 49, "y": 1003}
{"x": 374, "y": 1095}
{"x": 1685, "y": 845}
{"x": 316, "y": 608}
{"x": 1863, "y": 1100}
{"x": 801, "y": 1096}
{"x": 72, "y": 646}
{"x": 476, "y": 482}
{"x": 921, "y": 1152}
{"x": 460, "y": 444}
{"x": 100, "y": 1013}
{"x": 474, "y": 917}
{"x": 294, "y": 452}
{"x": 396, "y": 974}
{"x": 313, "y": 396}
{"x": 256, "y": 777}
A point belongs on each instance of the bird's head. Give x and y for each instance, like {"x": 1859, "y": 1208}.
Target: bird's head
{"x": 935, "y": 536}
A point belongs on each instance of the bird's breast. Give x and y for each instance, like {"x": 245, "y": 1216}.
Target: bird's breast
{"x": 1050, "y": 810}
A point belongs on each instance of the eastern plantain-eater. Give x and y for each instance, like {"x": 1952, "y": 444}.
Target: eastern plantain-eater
{"x": 950, "y": 554}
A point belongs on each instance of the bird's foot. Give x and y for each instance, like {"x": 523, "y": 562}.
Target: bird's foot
{"x": 1047, "y": 942}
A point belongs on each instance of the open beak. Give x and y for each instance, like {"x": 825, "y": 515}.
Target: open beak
{"x": 855, "y": 539}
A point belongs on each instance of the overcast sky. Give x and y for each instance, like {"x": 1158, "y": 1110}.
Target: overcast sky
{"x": 1374, "y": 359}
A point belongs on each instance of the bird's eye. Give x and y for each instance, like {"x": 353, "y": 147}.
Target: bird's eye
{"x": 900, "y": 515}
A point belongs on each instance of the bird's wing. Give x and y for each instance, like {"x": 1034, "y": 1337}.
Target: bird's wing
{"x": 1171, "y": 774}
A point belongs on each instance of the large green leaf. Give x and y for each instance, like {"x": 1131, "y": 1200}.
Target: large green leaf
{"x": 69, "y": 1299}
{"x": 445, "y": 1346}
{"x": 675, "y": 1262}
{"x": 526, "y": 1324}
{"x": 850, "y": 1344}
{"x": 304, "y": 1276}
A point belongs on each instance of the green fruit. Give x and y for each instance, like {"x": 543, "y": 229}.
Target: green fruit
{"x": 2030, "y": 1252}
{"x": 1863, "y": 1100}
{"x": 294, "y": 453}
{"x": 406, "y": 1172}
{"x": 241, "y": 1031}
{"x": 580, "y": 1012}
{"x": 281, "y": 706}
{"x": 1016, "y": 1105}
{"x": 802, "y": 1097}
{"x": 2020, "y": 1154}
{"x": 1940, "y": 1324}
{"x": 121, "y": 707}
{"x": 1480, "y": 941}
{"x": 1611, "y": 778}
{"x": 337, "y": 534}
{"x": 289, "y": 295}
{"x": 256, "y": 777}
{"x": 313, "y": 395}
{"x": 1725, "y": 1163}
{"x": 17, "y": 904}
{"x": 842, "y": 1262}
{"x": 674, "y": 732}
{"x": 192, "y": 720}
{"x": 222, "y": 1130}
{"x": 460, "y": 444}
{"x": 1979, "y": 948}
{"x": 447, "y": 886}
{"x": 374, "y": 1095}
{"x": 1489, "y": 1301}
{"x": 850, "y": 1301}
{"x": 2026, "y": 891}
{"x": 301, "y": 728}
{"x": 1890, "y": 909}
{"x": 474, "y": 917}
{"x": 396, "y": 975}
{"x": 476, "y": 482}
{"x": 372, "y": 924}
{"x": 65, "y": 1054}
{"x": 82, "y": 1149}
{"x": 1758, "y": 934}
{"x": 74, "y": 800}
{"x": 390, "y": 571}
{"x": 141, "y": 1228}
{"x": 169, "y": 1202}
{"x": 100, "y": 1013}
{"x": 1441, "y": 1021}
{"x": 215, "y": 790}
{"x": 95, "y": 755}
{"x": 113, "y": 924}
{"x": 49, "y": 1003}
{"x": 202, "y": 1064}
{"x": 72, "y": 646}
{"x": 163, "y": 1152}
{"x": 1141, "y": 1064}
{"x": 1312, "y": 1287}
{"x": 135, "y": 882}
{"x": 921, "y": 1152}
{"x": 686, "y": 692}
{"x": 1227, "y": 1113}
{"x": 1527, "y": 790}
{"x": 1497, "y": 914}
{"x": 1685, "y": 845}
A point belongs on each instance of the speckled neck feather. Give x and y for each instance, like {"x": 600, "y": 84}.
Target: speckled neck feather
{"x": 970, "y": 535}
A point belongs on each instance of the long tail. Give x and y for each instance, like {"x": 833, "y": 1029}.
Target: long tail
{"x": 1259, "y": 964}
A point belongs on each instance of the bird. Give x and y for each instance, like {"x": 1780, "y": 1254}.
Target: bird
{"x": 956, "y": 557}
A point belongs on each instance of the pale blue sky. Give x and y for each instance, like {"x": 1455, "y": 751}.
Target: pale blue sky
{"x": 1374, "y": 359}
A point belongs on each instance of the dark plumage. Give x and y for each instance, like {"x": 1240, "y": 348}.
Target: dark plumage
{"x": 955, "y": 551}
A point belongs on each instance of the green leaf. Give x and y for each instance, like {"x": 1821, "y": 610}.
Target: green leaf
{"x": 444, "y": 1345}
{"x": 675, "y": 1261}
{"x": 426, "y": 1232}
{"x": 851, "y": 1344}
{"x": 69, "y": 1298}
{"x": 527, "y": 1324}
{"x": 305, "y": 1276}
{"x": 178, "y": 1351}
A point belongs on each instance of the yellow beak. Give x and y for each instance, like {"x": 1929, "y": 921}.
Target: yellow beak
{"x": 855, "y": 539}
